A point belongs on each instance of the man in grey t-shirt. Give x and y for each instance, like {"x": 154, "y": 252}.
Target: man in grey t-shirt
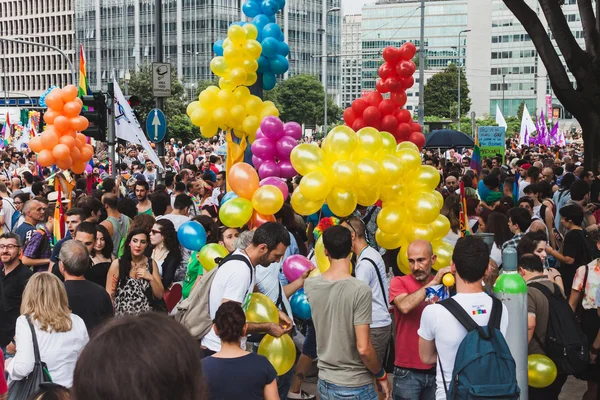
{"x": 342, "y": 312}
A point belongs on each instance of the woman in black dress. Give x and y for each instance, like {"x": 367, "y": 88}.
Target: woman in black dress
{"x": 101, "y": 256}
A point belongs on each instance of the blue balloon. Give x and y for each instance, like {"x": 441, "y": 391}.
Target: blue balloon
{"x": 228, "y": 196}
{"x": 271, "y": 30}
{"x": 269, "y": 7}
{"x": 300, "y": 305}
{"x": 238, "y": 23}
{"x": 272, "y": 18}
{"x": 281, "y": 4}
{"x": 263, "y": 65}
{"x": 269, "y": 80}
{"x": 192, "y": 235}
{"x": 284, "y": 49}
{"x": 251, "y": 8}
{"x": 270, "y": 46}
{"x": 261, "y": 20}
{"x": 218, "y": 47}
{"x": 279, "y": 64}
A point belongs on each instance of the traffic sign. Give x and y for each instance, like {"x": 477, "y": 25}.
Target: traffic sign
{"x": 156, "y": 125}
{"x": 161, "y": 79}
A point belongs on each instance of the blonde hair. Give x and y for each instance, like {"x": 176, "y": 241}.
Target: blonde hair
{"x": 45, "y": 301}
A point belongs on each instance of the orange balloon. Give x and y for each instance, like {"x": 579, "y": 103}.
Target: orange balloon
{"x": 45, "y": 158}
{"x": 75, "y": 153}
{"x": 70, "y": 133}
{"x": 86, "y": 154}
{"x": 61, "y": 152}
{"x": 50, "y": 115}
{"x": 62, "y": 124}
{"x": 78, "y": 100}
{"x": 67, "y": 140}
{"x": 243, "y": 180}
{"x": 64, "y": 164}
{"x": 90, "y": 147}
{"x": 78, "y": 167}
{"x": 79, "y": 123}
{"x": 49, "y": 140}
{"x": 35, "y": 144}
{"x": 71, "y": 109}
{"x": 69, "y": 93}
{"x": 54, "y": 100}
{"x": 259, "y": 219}
{"x": 81, "y": 137}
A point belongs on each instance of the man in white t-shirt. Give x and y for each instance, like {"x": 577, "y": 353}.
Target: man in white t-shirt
{"x": 179, "y": 215}
{"x": 234, "y": 281}
{"x": 370, "y": 269}
{"x": 440, "y": 334}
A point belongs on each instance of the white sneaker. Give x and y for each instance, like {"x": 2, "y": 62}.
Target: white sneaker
{"x": 302, "y": 395}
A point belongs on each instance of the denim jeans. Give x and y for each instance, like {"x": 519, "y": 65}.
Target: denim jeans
{"x": 411, "y": 385}
{"x": 329, "y": 391}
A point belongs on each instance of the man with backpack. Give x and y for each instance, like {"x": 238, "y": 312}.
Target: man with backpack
{"x": 8, "y": 214}
{"x": 468, "y": 323}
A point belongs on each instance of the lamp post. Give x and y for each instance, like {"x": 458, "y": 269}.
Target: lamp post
{"x": 503, "y": 87}
{"x": 127, "y": 79}
{"x": 323, "y": 31}
{"x": 459, "y": 71}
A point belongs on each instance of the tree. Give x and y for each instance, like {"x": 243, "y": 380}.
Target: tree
{"x": 520, "y": 110}
{"x": 203, "y": 85}
{"x": 334, "y": 113}
{"x": 300, "y": 98}
{"x": 181, "y": 128}
{"x": 583, "y": 101}
{"x": 441, "y": 93}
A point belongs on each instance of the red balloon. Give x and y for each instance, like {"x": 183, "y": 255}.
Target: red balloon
{"x": 415, "y": 127}
{"x": 374, "y": 98}
{"x": 386, "y": 70}
{"x": 407, "y": 83}
{"x": 405, "y": 68}
{"x": 389, "y": 123}
{"x": 409, "y": 50}
{"x": 394, "y": 84}
{"x": 372, "y": 116}
{"x": 358, "y": 124}
{"x": 402, "y": 132}
{"x": 359, "y": 105}
{"x": 391, "y": 55}
{"x": 387, "y": 106}
{"x": 399, "y": 98}
{"x": 404, "y": 115}
{"x": 349, "y": 116}
{"x": 417, "y": 138}
{"x": 381, "y": 87}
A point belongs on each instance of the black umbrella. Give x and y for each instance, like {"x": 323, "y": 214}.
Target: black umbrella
{"x": 447, "y": 138}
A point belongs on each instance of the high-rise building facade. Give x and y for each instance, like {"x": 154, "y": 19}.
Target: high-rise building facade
{"x": 29, "y": 70}
{"x": 351, "y": 59}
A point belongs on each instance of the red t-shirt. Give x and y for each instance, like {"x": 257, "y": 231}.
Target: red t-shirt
{"x": 407, "y": 340}
{"x": 3, "y": 385}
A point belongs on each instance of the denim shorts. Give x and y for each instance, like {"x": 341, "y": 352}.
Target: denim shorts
{"x": 309, "y": 348}
{"x": 329, "y": 391}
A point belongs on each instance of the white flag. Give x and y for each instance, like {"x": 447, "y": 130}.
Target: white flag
{"x": 527, "y": 125}
{"x": 500, "y": 118}
{"x": 128, "y": 128}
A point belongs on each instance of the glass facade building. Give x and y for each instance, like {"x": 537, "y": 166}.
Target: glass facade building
{"x": 351, "y": 59}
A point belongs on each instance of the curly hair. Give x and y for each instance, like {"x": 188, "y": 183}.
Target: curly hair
{"x": 230, "y": 321}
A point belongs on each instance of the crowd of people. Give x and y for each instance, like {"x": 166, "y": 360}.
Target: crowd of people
{"x": 95, "y": 302}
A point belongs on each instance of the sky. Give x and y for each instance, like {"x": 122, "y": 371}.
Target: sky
{"x": 354, "y": 6}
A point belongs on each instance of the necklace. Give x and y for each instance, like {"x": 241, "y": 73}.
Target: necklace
{"x": 162, "y": 255}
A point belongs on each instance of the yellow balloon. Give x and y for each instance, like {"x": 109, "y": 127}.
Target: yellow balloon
{"x": 261, "y": 309}
{"x": 267, "y": 200}
{"x": 388, "y": 241}
{"x": 314, "y": 272}
{"x": 281, "y": 352}
{"x": 209, "y": 253}
{"x": 441, "y": 227}
{"x": 410, "y": 158}
{"x": 253, "y": 49}
{"x": 241, "y": 94}
{"x": 213, "y": 89}
{"x": 269, "y": 111}
{"x": 209, "y": 130}
{"x": 367, "y": 197}
{"x": 218, "y": 66}
{"x": 407, "y": 145}
{"x": 238, "y": 113}
{"x": 341, "y": 202}
{"x": 251, "y": 78}
{"x": 443, "y": 251}
{"x": 233, "y": 56}
{"x": 193, "y": 106}
{"x": 253, "y": 104}
{"x": 341, "y": 142}
{"x": 402, "y": 260}
{"x": 344, "y": 173}
{"x": 237, "y": 76}
{"x": 320, "y": 257}
{"x": 208, "y": 99}
{"x": 426, "y": 178}
{"x": 391, "y": 219}
{"x": 201, "y": 117}
{"x": 439, "y": 197}
{"x": 236, "y": 34}
{"x": 306, "y": 158}
{"x": 392, "y": 194}
{"x": 388, "y": 143}
{"x": 225, "y": 98}
{"x": 226, "y": 84}
{"x": 222, "y": 117}
{"x": 226, "y": 43}
{"x": 391, "y": 169}
{"x": 251, "y": 31}
{"x": 541, "y": 371}
{"x": 369, "y": 140}
{"x": 315, "y": 186}
{"x": 302, "y": 205}
{"x": 423, "y": 207}
{"x": 268, "y": 103}
{"x": 250, "y": 65}
{"x": 250, "y": 124}
{"x": 236, "y": 212}
{"x": 414, "y": 231}
{"x": 369, "y": 173}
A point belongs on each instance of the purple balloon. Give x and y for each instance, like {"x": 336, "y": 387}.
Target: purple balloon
{"x": 268, "y": 168}
{"x": 294, "y": 266}
{"x": 284, "y": 147}
{"x": 88, "y": 168}
{"x": 286, "y": 170}
{"x": 292, "y": 129}
{"x": 259, "y": 134}
{"x": 277, "y": 182}
{"x": 272, "y": 127}
{"x": 264, "y": 148}
{"x": 257, "y": 161}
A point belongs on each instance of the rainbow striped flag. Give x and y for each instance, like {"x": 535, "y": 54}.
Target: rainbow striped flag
{"x": 84, "y": 87}
{"x": 475, "y": 164}
{"x": 59, "y": 220}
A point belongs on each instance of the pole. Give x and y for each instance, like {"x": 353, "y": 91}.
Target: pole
{"x": 110, "y": 134}
{"x": 503, "y": 76}
{"x": 511, "y": 289}
{"x": 325, "y": 81}
{"x": 160, "y": 146}
{"x": 473, "y": 123}
{"x": 458, "y": 68}
{"x": 422, "y": 67}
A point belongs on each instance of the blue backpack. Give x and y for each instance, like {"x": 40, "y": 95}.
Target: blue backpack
{"x": 484, "y": 367}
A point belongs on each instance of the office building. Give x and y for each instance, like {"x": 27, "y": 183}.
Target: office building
{"x": 351, "y": 59}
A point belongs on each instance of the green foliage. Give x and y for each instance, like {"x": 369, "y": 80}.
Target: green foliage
{"x": 203, "y": 85}
{"x": 513, "y": 126}
{"x": 520, "y": 110}
{"x": 441, "y": 93}
{"x": 180, "y": 127}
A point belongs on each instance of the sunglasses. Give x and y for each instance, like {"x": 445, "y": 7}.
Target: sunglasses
{"x": 155, "y": 232}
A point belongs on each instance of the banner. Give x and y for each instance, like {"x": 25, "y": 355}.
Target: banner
{"x": 549, "y": 107}
{"x": 492, "y": 141}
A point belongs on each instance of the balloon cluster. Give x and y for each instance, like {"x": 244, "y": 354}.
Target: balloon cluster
{"x": 255, "y": 203}
{"x": 42, "y": 101}
{"x": 387, "y": 114}
{"x": 273, "y": 59}
{"x": 236, "y": 61}
{"x": 62, "y": 143}
{"x": 272, "y": 148}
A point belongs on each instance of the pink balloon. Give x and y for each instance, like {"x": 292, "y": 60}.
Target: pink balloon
{"x": 272, "y": 127}
{"x": 284, "y": 147}
{"x": 264, "y": 148}
{"x": 88, "y": 168}
{"x": 259, "y": 134}
{"x": 268, "y": 168}
{"x": 278, "y": 183}
{"x": 257, "y": 162}
{"x": 286, "y": 170}
{"x": 292, "y": 129}
{"x": 294, "y": 266}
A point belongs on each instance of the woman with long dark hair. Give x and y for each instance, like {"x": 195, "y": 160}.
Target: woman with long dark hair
{"x": 497, "y": 223}
{"x": 165, "y": 250}
{"x": 451, "y": 210}
{"x": 134, "y": 278}
{"x": 101, "y": 255}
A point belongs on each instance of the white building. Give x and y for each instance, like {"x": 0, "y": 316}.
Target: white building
{"x": 351, "y": 59}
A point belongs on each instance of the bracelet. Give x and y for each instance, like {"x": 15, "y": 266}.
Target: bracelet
{"x": 381, "y": 374}
{"x": 383, "y": 378}
{"x": 594, "y": 350}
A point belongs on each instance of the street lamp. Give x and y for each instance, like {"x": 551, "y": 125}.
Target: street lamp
{"x": 459, "y": 70}
{"x": 503, "y": 87}
{"x": 127, "y": 79}
{"x": 323, "y": 31}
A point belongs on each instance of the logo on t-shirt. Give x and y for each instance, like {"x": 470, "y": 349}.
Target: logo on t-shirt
{"x": 477, "y": 310}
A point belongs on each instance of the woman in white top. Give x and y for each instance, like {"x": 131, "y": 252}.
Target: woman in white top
{"x": 61, "y": 335}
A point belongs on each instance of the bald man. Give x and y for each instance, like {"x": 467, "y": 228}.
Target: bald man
{"x": 413, "y": 379}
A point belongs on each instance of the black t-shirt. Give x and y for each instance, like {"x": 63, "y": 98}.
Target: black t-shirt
{"x": 237, "y": 378}
{"x": 11, "y": 293}
{"x": 576, "y": 246}
{"x": 89, "y": 301}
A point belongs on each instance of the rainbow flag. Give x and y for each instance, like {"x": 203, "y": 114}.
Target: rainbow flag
{"x": 476, "y": 157}
{"x": 59, "y": 217}
{"x": 84, "y": 87}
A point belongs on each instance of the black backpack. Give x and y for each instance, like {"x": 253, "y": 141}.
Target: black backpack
{"x": 566, "y": 344}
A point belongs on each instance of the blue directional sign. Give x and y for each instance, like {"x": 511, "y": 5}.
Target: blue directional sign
{"x": 156, "y": 125}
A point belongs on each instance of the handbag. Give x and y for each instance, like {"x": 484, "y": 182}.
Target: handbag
{"x": 21, "y": 390}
